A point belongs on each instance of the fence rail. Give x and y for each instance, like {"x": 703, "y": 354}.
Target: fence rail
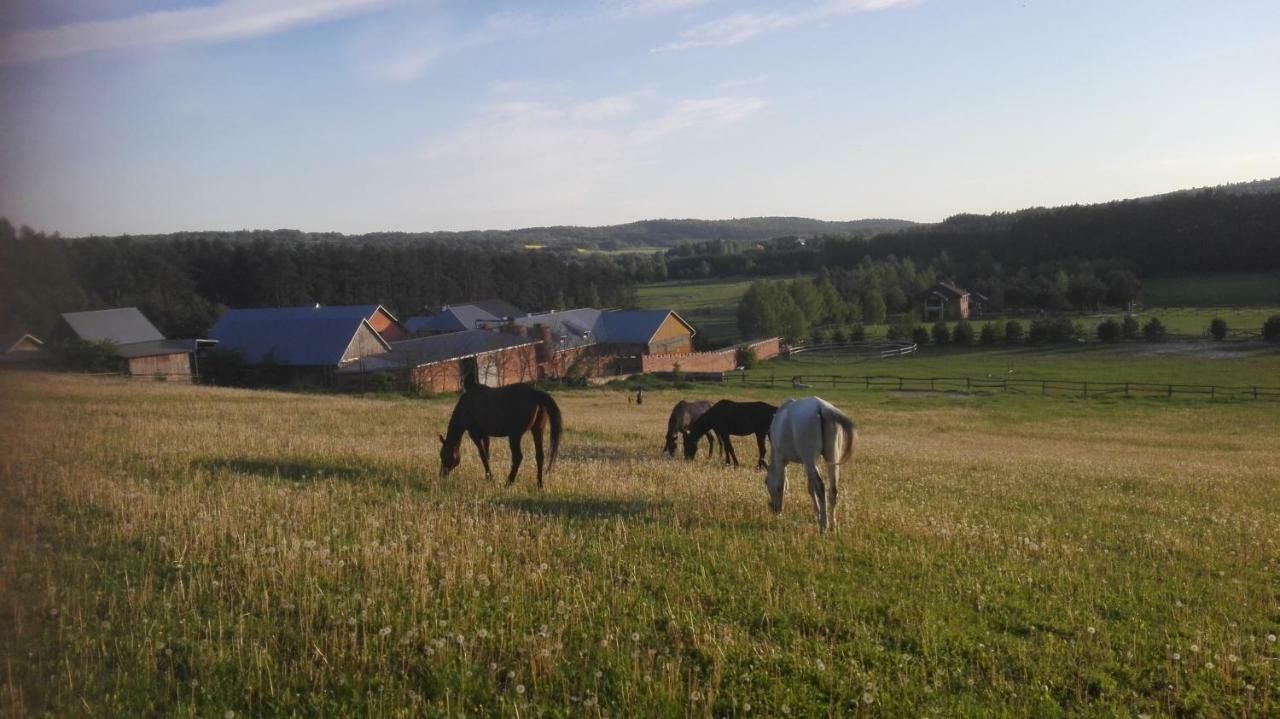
{"x": 868, "y": 350}
{"x": 1044, "y": 387}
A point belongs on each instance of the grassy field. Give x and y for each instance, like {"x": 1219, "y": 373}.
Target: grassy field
{"x": 1212, "y": 290}
{"x": 712, "y": 305}
{"x": 174, "y": 550}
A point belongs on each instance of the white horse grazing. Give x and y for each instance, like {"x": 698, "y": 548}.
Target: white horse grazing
{"x": 802, "y": 431}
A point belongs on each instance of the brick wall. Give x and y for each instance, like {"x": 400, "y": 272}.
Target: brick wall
{"x": 725, "y": 360}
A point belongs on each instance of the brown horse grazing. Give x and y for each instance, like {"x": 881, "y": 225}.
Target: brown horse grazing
{"x": 726, "y": 418}
{"x": 683, "y": 415}
{"x": 483, "y": 412}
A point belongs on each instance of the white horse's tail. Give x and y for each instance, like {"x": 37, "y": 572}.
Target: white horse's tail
{"x": 841, "y": 420}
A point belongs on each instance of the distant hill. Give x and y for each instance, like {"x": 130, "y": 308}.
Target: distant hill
{"x": 1253, "y": 187}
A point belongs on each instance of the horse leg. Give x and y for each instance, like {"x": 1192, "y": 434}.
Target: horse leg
{"x": 711, "y": 445}
{"x": 482, "y": 446}
{"x": 516, "y": 456}
{"x": 537, "y": 449}
{"x": 729, "y": 454}
{"x": 833, "y": 479}
{"x": 817, "y": 492}
{"x": 760, "y": 463}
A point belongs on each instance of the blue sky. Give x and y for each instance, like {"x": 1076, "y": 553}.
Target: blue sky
{"x": 362, "y": 115}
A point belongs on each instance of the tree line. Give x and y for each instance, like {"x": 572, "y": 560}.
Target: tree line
{"x": 183, "y": 284}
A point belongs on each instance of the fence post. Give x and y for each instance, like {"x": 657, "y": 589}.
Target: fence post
{"x": 967, "y": 384}
{"x": 1255, "y": 392}
{"x": 1213, "y": 391}
{"x": 1005, "y": 382}
{"x": 1126, "y": 389}
{"x": 899, "y": 384}
{"x": 931, "y": 387}
{"x": 770, "y": 380}
{"x": 1170, "y": 391}
{"x": 866, "y": 381}
{"x": 1086, "y": 390}
{"x": 1044, "y": 390}
{"x": 833, "y": 381}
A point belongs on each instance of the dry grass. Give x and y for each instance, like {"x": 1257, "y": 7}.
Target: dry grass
{"x": 178, "y": 550}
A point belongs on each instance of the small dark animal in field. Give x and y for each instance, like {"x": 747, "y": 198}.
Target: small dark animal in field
{"x": 682, "y": 417}
{"x": 483, "y": 412}
{"x": 728, "y": 418}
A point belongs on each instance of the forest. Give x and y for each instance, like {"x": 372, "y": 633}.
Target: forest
{"x": 1077, "y": 257}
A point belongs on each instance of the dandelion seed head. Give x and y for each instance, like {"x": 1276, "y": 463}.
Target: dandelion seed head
{"x": 519, "y": 689}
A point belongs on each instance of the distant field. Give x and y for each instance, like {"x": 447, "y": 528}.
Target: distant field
{"x": 1212, "y": 290}
{"x": 712, "y": 305}
{"x": 186, "y": 551}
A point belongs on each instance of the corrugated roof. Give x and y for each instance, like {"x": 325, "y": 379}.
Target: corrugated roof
{"x": 299, "y": 336}
{"x": 453, "y": 319}
{"x": 635, "y": 326}
{"x": 122, "y": 325}
{"x": 439, "y": 348}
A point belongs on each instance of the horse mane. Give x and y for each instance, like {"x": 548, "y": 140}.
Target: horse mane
{"x": 850, "y": 430}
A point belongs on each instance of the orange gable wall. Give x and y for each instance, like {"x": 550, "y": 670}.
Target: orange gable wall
{"x": 387, "y": 327}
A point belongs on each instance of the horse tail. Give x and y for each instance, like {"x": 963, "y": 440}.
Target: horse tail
{"x": 843, "y": 422}
{"x": 557, "y": 425}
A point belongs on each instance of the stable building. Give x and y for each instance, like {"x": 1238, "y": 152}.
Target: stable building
{"x": 144, "y": 351}
{"x": 443, "y": 363}
{"x": 944, "y": 301}
{"x": 299, "y": 345}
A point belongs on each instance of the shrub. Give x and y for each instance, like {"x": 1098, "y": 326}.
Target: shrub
{"x": 818, "y": 336}
{"x": 1129, "y": 327}
{"x": 941, "y": 335}
{"x": 382, "y": 382}
{"x": 838, "y": 336}
{"x": 898, "y": 332}
{"x": 1271, "y": 329}
{"x": 920, "y": 335}
{"x": 1153, "y": 330}
{"x": 1013, "y": 331}
{"x": 1218, "y": 328}
{"x": 962, "y": 334}
{"x": 747, "y": 358}
{"x": 1052, "y": 329}
{"x": 857, "y": 332}
{"x": 989, "y": 335}
{"x": 677, "y": 374}
{"x": 81, "y": 356}
{"x": 1109, "y": 330}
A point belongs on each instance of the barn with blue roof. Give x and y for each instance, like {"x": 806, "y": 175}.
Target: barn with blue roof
{"x": 305, "y": 340}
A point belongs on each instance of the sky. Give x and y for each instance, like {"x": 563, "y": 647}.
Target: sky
{"x": 145, "y": 116}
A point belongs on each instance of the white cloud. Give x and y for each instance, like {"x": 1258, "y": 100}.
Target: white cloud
{"x": 519, "y": 158}
{"x": 222, "y": 22}
{"x": 742, "y": 26}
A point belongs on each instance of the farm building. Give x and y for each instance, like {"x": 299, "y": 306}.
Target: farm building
{"x": 452, "y": 319}
{"x": 144, "y": 350}
{"x": 497, "y": 307}
{"x": 594, "y": 342}
{"x": 20, "y": 345}
{"x": 441, "y": 363}
{"x": 646, "y": 332}
{"x": 945, "y": 301}
{"x": 302, "y": 344}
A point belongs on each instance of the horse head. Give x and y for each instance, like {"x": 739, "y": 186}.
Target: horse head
{"x": 690, "y": 445}
{"x": 775, "y": 481}
{"x": 669, "y": 448}
{"x": 450, "y": 457}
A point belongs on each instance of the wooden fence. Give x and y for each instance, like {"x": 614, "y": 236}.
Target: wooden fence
{"x": 1044, "y": 387}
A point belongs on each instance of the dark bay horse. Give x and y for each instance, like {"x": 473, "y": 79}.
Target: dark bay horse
{"x": 726, "y": 418}
{"x": 483, "y": 412}
{"x": 682, "y": 416}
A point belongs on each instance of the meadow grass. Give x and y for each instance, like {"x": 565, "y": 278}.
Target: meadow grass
{"x": 194, "y": 551}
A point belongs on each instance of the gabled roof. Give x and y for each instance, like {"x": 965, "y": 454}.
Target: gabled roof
{"x": 299, "y": 336}
{"x": 499, "y": 308}
{"x": 637, "y": 326}
{"x": 155, "y": 348}
{"x": 452, "y": 319}
{"x": 123, "y": 325}
{"x": 11, "y": 340}
{"x": 944, "y": 289}
{"x": 439, "y": 348}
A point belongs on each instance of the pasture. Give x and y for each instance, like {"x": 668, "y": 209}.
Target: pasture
{"x": 194, "y": 551}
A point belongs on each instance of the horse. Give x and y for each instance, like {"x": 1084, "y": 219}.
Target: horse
{"x": 726, "y": 418}
{"x": 802, "y": 431}
{"x": 683, "y": 415}
{"x": 483, "y": 412}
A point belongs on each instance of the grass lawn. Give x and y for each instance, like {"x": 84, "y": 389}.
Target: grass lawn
{"x": 175, "y": 550}
{"x": 712, "y": 305}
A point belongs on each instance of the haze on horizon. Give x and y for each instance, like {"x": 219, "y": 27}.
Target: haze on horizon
{"x": 142, "y": 116}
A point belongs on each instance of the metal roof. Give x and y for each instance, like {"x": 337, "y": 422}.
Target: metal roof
{"x": 452, "y": 319}
{"x": 570, "y": 328}
{"x": 299, "y": 336}
{"x": 122, "y": 325}
{"x": 155, "y": 348}
{"x": 11, "y": 340}
{"x": 499, "y": 308}
{"x": 636, "y": 326}
{"x": 439, "y": 348}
